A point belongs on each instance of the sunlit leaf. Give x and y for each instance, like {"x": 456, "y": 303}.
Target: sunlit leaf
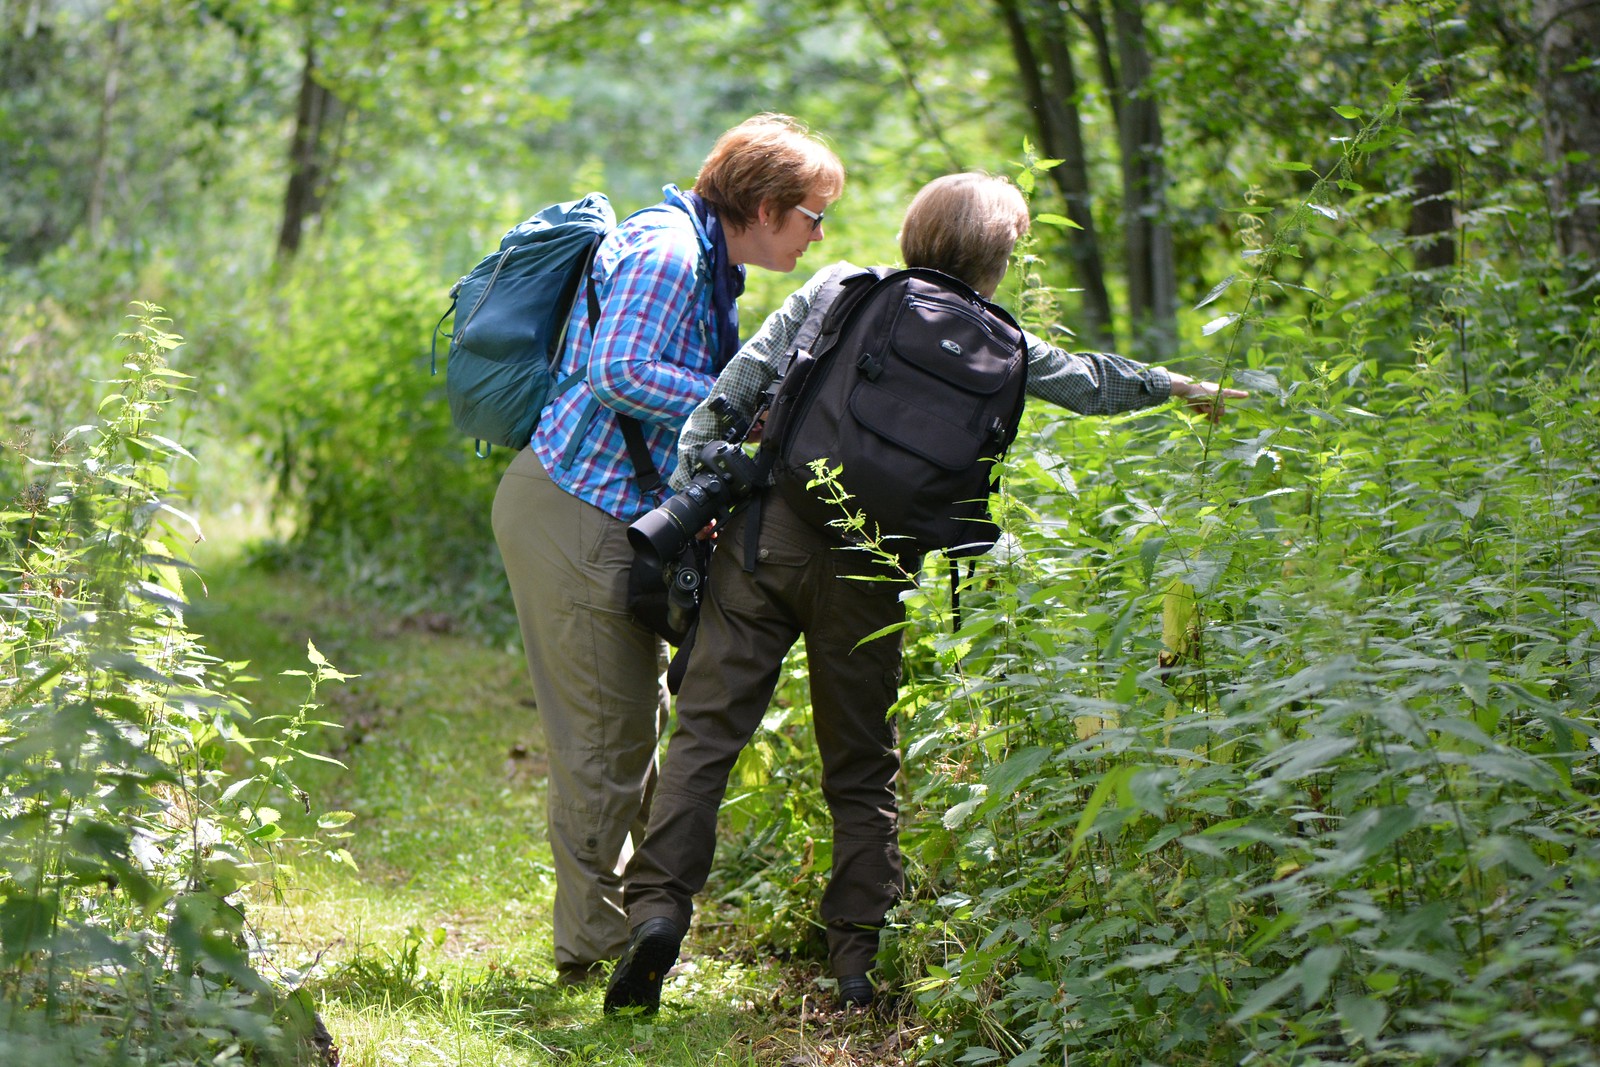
{"x": 1217, "y": 290}
{"x": 1057, "y": 220}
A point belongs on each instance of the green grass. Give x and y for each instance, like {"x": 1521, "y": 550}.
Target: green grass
{"x": 434, "y": 948}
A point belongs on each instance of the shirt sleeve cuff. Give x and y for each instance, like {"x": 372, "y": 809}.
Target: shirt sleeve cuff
{"x": 1160, "y": 384}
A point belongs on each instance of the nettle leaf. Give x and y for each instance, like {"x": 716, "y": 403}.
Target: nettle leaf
{"x": 1113, "y": 782}
{"x": 1316, "y": 972}
{"x": 1265, "y": 996}
{"x": 1364, "y": 1015}
{"x": 1217, "y": 290}
{"x": 1060, "y": 221}
{"x": 1258, "y": 381}
{"x": 1446, "y": 967}
{"x": 955, "y": 816}
{"x": 1006, "y": 778}
{"x": 1470, "y": 507}
{"x": 1312, "y": 755}
{"x": 1143, "y": 957}
{"x": 1218, "y": 324}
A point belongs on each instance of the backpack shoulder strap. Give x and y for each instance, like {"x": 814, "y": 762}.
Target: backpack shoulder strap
{"x": 832, "y": 286}
{"x": 840, "y": 290}
{"x": 828, "y": 309}
{"x": 644, "y": 467}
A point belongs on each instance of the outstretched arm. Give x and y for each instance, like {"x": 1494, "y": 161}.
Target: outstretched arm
{"x": 1102, "y": 383}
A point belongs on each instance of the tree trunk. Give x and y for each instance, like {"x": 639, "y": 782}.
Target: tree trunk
{"x": 1433, "y": 216}
{"x": 1569, "y": 81}
{"x": 1093, "y": 18}
{"x": 1433, "y": 207}
{"x": 109, "y": 90}
{"x": 1152, "y": 277}
{"x": 1052, "y": 92}
{"x": 310, "y": 155}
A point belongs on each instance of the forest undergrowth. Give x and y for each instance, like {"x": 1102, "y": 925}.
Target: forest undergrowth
{"x": 193, "y": 874}
{"x": 1268, "y": 742}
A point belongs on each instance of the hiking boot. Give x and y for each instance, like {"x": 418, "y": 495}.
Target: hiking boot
{"x": 855, "y": 992}
{"x": 636, "y": 981}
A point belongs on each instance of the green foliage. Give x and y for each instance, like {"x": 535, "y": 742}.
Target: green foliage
{"x": 385, "y": 493}
{"x": 1275, "y": 742}
{"x": 138, "y": 799}
{"x": 1254, "y": 743}
{"x": 1290, "y": 754}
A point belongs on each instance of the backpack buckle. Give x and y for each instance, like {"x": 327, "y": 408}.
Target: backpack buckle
{"x": 870, "y": 366}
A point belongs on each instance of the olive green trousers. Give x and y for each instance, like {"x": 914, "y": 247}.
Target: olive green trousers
{"x": 597, "y": 682}
{"x": 803, "y": 583}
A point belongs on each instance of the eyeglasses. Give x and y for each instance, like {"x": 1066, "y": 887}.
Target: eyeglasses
{"x": 816, "y": 217}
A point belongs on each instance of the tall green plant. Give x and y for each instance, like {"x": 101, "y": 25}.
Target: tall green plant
{"x": 1286, "y": 753}
{"x": 133, "y": 818}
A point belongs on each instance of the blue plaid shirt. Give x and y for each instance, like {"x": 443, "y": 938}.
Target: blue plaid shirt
{"x": 651, "y": 358}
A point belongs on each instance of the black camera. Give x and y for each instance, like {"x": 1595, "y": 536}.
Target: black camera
{"x": 670, "y": 563}
{"x": 723, "y": 484}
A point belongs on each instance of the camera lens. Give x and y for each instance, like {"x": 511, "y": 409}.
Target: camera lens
{"x": 662, "y": 533}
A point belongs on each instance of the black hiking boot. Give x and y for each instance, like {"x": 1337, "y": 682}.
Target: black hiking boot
{"x": 636, "y": 981}
{"x": 855, "y": 992}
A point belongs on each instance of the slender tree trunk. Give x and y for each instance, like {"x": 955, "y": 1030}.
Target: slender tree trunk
{"x": 1052, "y": 91}
{"x": 1093, "y": 17}
{"x": 1433, "y": 207}
{"x": 1569, "y": 81}
{"x": 1433, "y": 216}
{"x": 102, "y": 132}
{"x": 1152, "y": 277}
{"x": 310, "y": 155}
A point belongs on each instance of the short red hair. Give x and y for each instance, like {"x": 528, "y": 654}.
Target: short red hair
{"x": 768, "y": 159}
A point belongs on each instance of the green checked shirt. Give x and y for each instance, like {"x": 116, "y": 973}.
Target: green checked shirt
{"x": 1089, "y": 383}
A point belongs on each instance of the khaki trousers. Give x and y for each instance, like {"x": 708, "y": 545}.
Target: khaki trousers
{"x": 801, "y": 584}
{"x": 597, "y": 683}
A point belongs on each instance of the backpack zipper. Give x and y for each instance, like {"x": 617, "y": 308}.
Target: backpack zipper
{"x": 963, "y": 311}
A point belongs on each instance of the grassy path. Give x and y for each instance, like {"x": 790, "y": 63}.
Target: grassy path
{"x": 435, "y": 948}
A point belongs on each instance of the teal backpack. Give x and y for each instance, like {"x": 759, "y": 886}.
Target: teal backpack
{"x": 500, "y": 368}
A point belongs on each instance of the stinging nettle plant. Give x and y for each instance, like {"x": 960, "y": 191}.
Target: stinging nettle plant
{"x": 1280, "y": 748}
{"x": 140, "y": 802}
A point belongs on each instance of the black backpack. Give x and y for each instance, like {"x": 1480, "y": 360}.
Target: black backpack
{"x": 913, "y": 385}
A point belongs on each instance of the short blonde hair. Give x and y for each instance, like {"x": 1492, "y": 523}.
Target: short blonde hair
{"x": 966, "y": 226}
{"x": 768, "y": 159}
